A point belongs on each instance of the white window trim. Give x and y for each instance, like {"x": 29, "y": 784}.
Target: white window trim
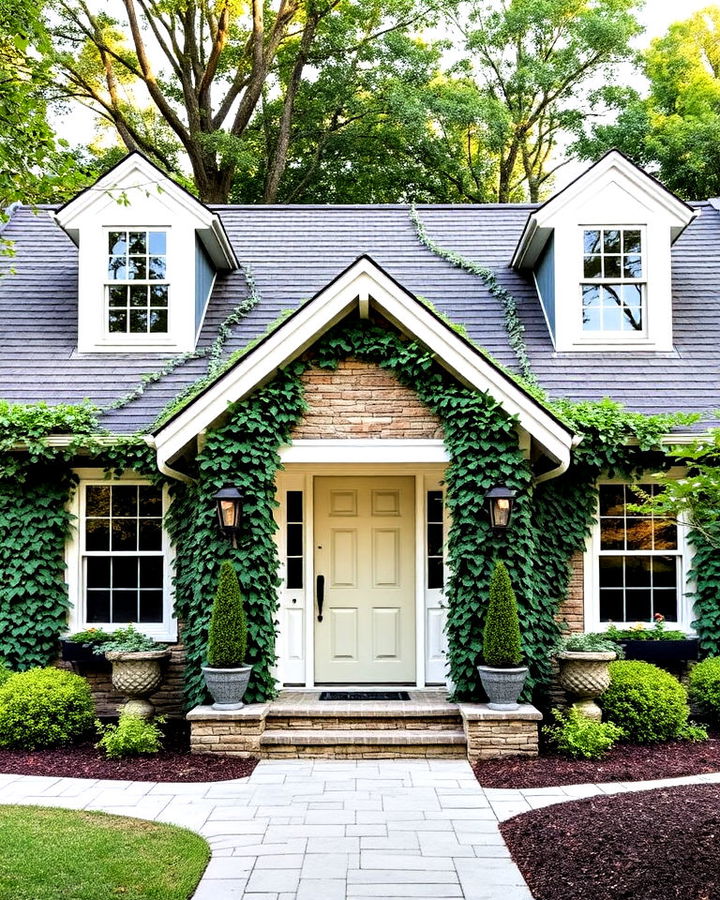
{"x": 611, "y": 340}
{"x": 166, "y": 630}
{"x": 592, "y": 574}
{"x": 143, "y": 340}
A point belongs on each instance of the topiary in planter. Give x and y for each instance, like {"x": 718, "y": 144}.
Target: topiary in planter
{"x": 503, "y": 677}
{"x": 44, "y": 708}
{"x": 502, "y": 643}
{"x": 647, "y": 702}
{"x": 225, "y": 676}
{"x": 227, "y": 637}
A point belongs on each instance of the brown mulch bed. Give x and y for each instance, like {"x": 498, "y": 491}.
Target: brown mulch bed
{"x": 645, "y": 845}
{"x": 627, "y": 762}
{"x": 173, "y": 763}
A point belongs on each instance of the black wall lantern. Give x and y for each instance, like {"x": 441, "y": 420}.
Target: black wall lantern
{"x": 229, "y": 510}
{"x": 500, "y": 501}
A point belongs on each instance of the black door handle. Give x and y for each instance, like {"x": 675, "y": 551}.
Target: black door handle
{"x": 320, "y": 585}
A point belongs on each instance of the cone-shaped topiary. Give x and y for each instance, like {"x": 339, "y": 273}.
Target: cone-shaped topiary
{"x": 227, "y": 637}
{"x": 502, "y": 644}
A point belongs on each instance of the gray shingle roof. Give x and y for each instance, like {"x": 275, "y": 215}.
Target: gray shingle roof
{"x": 294, "y": 251}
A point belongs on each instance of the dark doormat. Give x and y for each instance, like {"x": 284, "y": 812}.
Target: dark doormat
{"x": 364, "y": 695}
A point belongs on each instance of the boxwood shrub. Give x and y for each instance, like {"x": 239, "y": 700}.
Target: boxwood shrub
{"x": 705, "y": 687}
{"x": 647, "y": 702}
{"x": 132, "y": 736}
{"x": 44, "y": 708}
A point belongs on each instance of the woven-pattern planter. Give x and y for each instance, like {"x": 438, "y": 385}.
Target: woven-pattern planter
{"x": 136, "y": 676}
{"x": 585, "y": 675}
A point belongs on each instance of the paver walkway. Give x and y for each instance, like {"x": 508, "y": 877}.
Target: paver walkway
{"x": 331, "y": 830}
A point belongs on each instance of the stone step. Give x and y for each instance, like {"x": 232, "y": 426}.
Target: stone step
{"x": 311, "y": 720}
{"x": 362, "y": 743}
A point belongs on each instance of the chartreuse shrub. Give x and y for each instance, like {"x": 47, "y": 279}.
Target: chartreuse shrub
{"x": 5, "y": 672}
{"x": 502, "y": 643}
{"x": 579, "y": 737}
{"x": 227, "y": 636}
{"x": 647, "y": 702}
{"x": 705, "y": 687}
{"x": 132, "y": 736}
{"x": 44, "y": 708}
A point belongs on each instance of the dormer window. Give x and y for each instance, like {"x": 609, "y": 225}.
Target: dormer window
{"x": 600, "y": 255}
{"x": 613, "y": 288}
{"x": 137, "y": 287}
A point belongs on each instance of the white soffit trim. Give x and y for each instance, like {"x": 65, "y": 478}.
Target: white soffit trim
{"x": 136, "y": 172}
{"x": 539, "y": 225}
{"x": 364, "y": 450}
{"x": 331, "y": 305}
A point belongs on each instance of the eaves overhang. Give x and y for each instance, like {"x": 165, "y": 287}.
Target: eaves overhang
{"x": 363, "y": 285}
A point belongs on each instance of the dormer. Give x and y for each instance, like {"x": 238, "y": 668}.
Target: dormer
{"x": 599, "y": 251}
{"x": 148, "y": 254}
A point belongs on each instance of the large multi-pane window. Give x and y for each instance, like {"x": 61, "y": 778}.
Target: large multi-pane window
{"x": 137, "y": 289}
{"x": 640, "y": 559}
{"x": 613, "y": 287}
{"x": 123, "y": 560}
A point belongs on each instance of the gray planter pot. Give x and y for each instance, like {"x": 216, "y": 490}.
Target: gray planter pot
{"x": 503, "y": 686}
{"x": 227, "y": 686}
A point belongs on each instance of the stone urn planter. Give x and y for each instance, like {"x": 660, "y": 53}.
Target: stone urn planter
{"x": 585, "y": 675}
{"x": 137, "y": 675}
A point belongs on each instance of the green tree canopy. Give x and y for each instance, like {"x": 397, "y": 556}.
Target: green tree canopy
{"x": 536, "y": 62}
{"x": 675, "y": 129}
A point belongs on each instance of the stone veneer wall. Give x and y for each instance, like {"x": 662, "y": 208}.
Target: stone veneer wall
{"x": 168, "y": 701}
{"x": 491, "y": 734}
{"x": 571, "y": 611}
{"x": 570, "y": 615}
{"x": 361, "y": 400}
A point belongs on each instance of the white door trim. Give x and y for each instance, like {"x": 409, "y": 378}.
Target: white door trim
{"x": 301, "y": 476}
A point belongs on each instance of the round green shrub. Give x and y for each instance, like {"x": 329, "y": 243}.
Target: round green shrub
{"x": 502, "y": 644}
{"x": 705, "y": 687}
{"x": 227, "y": 637}
{"x": 44, "y": 708}
{"x": 647, "y": 702}
{"x": 132, "y": 736}
{"x": 578, "y": 737}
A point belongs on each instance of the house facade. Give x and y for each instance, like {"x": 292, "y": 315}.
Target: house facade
{"x": 363, "y": 375}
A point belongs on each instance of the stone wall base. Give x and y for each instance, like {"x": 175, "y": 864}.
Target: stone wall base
{"x": 481, "y": 733}
{"x": 492, "y": 734}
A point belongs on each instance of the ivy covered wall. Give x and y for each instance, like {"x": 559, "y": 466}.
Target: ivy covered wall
{"x": 550, "y": 521}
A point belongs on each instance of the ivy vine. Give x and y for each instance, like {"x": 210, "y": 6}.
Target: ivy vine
{"x": 213, "y": 352}
{"x": 513, "y": 326}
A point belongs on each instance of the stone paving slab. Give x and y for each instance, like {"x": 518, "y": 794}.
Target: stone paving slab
{"x": 335, "y": 830}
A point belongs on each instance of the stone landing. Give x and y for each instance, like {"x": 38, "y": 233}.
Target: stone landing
{"x": 298, "y": 725}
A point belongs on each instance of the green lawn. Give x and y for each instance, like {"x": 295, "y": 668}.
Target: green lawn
{"x": 60, "y": 854}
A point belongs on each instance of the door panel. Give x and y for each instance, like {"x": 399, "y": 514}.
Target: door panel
{"x": 365, "y": 548}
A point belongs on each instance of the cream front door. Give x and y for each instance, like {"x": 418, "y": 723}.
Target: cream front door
{"x": 365, "y": 580}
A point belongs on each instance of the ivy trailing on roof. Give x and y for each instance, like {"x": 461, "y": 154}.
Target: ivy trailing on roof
{"x": 514, "y": 327}
{"x": 213, "y": 352}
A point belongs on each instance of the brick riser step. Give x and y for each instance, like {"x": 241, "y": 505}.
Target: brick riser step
{"x": 362, "y": 743}
{"x": 374, "y": 721}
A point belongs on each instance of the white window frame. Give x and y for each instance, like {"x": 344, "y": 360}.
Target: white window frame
{"x": 75, "y": 556}
{"x": 592, "y": 568}
{"x": 137, "y": 282}
{"x": 614, "y": 337}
